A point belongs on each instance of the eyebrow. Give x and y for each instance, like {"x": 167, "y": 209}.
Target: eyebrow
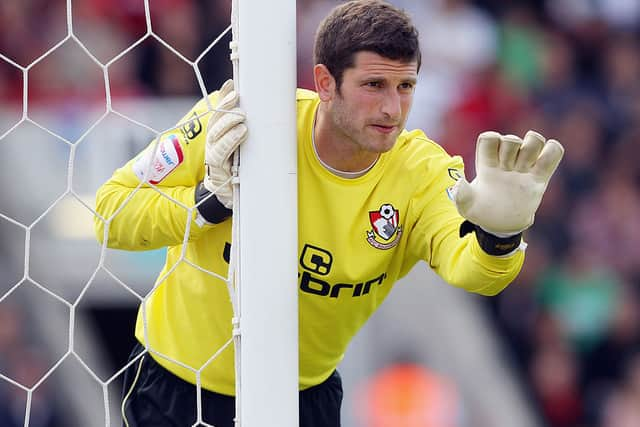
{"x": 412, "y": 80}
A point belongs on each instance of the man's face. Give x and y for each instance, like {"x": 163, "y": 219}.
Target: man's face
{"x": 375, "y": 97}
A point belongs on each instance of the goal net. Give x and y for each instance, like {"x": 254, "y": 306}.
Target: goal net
{"x": 64, "y": 139}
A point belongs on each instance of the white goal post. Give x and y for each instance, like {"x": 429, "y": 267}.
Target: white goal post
{"x": 265, "y": 241}
{"x": 267, "y": 216}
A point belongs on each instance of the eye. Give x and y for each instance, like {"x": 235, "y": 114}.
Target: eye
{"x": 373, "y": 84}
{"x": 407, "y": 86}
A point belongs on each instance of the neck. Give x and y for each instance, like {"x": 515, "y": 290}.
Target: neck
{"x": 335, "y": 150}
{"x": 342, "y": 173}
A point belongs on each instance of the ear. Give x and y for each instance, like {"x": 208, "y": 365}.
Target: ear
{"x": 324, "y": 82}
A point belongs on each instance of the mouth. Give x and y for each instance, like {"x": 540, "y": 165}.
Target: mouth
{"x": 386, "y": 129}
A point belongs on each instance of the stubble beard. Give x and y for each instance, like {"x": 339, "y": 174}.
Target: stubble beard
{"x": 358, "y": 137}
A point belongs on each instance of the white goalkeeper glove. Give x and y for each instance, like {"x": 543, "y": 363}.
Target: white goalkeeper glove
{"x": 511, "y": 177}
{"x": 226, "y": 131}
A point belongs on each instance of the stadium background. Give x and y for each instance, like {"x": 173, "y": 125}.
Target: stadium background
{"x": 567, "y": 330}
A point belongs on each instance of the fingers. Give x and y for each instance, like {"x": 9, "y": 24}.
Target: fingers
{"x": 548, "y": 160}
{"x": 529, "y": 152}
{"x": 495, "y": 150}
{"x": 487, "y": 149}
{"x": 508, "y": 152}
{"x": 225, "y": 122}
{"x": 225, "y": 90}
{"x": 226, "y": 131}
{"x": 231, "y": 140}
{"x": 217, "y": 154}
{"x": 227, "y": 99}
{"x": 224, "y": 136}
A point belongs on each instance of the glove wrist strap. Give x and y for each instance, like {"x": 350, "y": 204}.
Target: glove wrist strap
{"x": 491, "y": 244}
{"x": 211, "y": 209}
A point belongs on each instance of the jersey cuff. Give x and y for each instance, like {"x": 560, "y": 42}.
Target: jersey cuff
{"x": 209, "y": 207}
{"x": 491, "y": 244}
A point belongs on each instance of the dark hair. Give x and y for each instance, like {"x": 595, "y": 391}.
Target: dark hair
{"x": 364, "y": 25}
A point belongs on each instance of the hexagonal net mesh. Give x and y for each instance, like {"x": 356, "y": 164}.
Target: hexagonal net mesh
{"x": 49, "y": 166}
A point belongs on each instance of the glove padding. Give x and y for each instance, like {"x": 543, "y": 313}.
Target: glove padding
{"x": 226, "y": 131}
{"x": 511, "y": 177}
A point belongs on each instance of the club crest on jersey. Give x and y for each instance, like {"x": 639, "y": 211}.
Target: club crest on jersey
{"x": 386, "y": 230}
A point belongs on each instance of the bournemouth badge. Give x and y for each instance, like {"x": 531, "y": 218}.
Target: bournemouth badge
{"x": 386, "y": 230}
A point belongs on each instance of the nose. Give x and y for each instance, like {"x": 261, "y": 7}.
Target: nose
{"x": 391, "y": 106}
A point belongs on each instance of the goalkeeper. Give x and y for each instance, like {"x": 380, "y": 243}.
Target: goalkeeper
{"x": 374, "y": 199}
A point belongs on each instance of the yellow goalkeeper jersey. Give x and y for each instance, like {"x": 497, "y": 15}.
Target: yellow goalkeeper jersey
{"x": 356, "y": 238}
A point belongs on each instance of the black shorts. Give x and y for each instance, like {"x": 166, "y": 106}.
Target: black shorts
{"x": 153, "y": 396}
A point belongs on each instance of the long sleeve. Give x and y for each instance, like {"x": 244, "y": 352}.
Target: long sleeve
{"x": 460, "y": 261}
{"x": 144, "y": 216}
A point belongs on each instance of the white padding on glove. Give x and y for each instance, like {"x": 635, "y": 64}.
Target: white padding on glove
{"x": 511, "y": 178}
{"x": 226, "y": 131}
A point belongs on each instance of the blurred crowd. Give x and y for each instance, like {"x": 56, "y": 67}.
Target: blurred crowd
{"x": 29, "y": 29}
{"x": 569, "y": 69}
